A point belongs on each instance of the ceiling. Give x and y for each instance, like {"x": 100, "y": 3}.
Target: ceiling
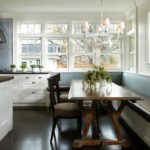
{"x": 64, "y": 5}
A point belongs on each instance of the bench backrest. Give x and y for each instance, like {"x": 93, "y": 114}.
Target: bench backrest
{"x": 67, "y": 77}
{"x": 138, "y": 83}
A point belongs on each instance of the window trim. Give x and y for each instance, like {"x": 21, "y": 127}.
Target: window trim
{"x": 44, "y": 35}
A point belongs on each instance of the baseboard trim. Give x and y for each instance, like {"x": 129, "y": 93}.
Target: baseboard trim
{"x": 30, "y": 107}
{"x": 134, "y": 135}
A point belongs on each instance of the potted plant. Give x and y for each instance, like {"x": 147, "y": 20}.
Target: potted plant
{"x": 40, "y": 68}
{"x": 13, "y": 67}
{"x": 98, "y": 74}
{"x": 23, "y": 67}
{"x": 33, "y": 67}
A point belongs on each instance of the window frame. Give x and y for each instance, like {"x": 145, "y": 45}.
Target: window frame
{"x": 43, "y": 35}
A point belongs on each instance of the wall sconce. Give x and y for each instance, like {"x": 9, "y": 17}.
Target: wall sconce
{"x": 2, "y": 37}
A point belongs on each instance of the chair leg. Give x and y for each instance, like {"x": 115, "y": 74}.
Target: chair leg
{"x": 53, "y": 128}
{"x": 80, "y": 125}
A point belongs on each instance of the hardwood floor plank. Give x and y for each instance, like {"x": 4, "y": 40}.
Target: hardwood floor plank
{"x": 32, "y": 130}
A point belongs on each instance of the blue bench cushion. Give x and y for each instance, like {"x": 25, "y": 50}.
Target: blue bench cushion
{"x": 141, "y": 85}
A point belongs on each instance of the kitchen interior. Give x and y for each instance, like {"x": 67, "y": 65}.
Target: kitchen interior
{"x": 38, "y": 39}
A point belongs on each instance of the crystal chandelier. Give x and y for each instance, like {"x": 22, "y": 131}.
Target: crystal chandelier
{"x": 104, "y": 27}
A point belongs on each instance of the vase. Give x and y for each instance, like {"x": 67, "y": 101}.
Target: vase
{"x": 23, "y": 70}
{"x": 102, "y": 82}
{"x": 33, "y": 69}
{"x": 13, "y": 69}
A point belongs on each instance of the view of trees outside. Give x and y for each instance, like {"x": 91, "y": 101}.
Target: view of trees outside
{"x": 82, "y": 48}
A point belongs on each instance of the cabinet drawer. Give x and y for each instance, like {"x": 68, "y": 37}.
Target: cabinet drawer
{"x": 30, "y": 97}
{"x": 33, "y": 97}
{"x": 34, "y": 84}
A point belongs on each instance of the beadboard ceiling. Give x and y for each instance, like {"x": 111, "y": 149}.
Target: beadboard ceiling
{"x": 64, "y": 5}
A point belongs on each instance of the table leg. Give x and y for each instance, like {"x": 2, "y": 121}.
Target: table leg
{"x": 88, "y": 115}
{"x": 115, "y": 114}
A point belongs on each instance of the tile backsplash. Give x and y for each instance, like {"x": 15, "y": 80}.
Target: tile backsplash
{"x": 6, "y": 49}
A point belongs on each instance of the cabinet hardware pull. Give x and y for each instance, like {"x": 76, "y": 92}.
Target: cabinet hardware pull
{"x": 27, "y": 77}
{"x": 40, "y": 77}
{"x": 33, "y": 82}
{"x": 33, "y": 92}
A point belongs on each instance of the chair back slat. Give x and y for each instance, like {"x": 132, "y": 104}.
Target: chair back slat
{"x": 56, "y": 79}
{"x": 52, "y": 93}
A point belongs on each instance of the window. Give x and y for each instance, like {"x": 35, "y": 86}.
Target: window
{"x": 63, "y": 46}
{"x": 82, "y": 53}
{"x": 57, "y": 53}
{"x": 31, "y": 46}
{"x": 56, "y": 28}
{"x": 30, "y": 28}
{"x": 30, "y": 51}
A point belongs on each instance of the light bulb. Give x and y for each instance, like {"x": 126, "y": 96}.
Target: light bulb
{"x": 85, "y": 27}
{"x": 122, "y": 25}
{"x": 86, "y": 24}
{"x": 107, "y": 22}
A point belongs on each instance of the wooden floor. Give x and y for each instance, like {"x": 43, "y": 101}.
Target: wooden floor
{"x": 32, "y": 129}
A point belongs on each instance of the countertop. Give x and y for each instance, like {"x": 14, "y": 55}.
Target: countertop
{"x": 20, "y": 72}
{"x": 5, "y": 78}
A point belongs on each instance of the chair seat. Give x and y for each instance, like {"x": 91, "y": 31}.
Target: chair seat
{"x": 66, "y": 109}
{"x": 63, "y": 97}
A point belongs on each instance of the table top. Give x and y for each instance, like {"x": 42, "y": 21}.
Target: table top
{"x": 108, "y": 92}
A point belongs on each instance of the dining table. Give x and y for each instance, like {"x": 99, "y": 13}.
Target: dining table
{"x": 88, "y": 98}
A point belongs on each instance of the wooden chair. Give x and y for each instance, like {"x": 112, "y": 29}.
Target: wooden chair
{"x": 66, "y": 110}
{"x": 62, "y": 92}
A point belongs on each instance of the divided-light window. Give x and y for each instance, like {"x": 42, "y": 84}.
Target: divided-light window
{"x": 57, "y": 28}
{"x": 30, "y": 28}
{"x": 63, "y": 46}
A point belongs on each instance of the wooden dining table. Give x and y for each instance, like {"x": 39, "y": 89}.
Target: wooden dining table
{"x": 107, "y": 94}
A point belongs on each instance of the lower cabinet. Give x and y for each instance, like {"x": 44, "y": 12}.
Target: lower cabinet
{"x": 30, "y": 90}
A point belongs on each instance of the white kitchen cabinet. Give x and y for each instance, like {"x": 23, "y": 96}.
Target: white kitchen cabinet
{"x": 30, "y": 90}
{"x": 6, "y": 105}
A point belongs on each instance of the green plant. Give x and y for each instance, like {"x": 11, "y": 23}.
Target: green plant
{"x": 33, "y": 66}
{"x": 23, "y": 66}
{"x": 102, "y": 73}
{"x": 12, "y": 66}
{"x": 40, "y": 66}
{"x": 96, "y": 75}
